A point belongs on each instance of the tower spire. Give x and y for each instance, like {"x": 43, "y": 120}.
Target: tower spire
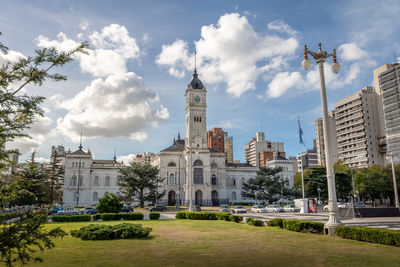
{"x": 80, "y": 143}
{"x": 195, "y": 56}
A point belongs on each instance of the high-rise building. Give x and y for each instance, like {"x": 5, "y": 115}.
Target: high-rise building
{"x": 258, "y": 145}
{"x": 215, "y": 139}
{"x": 228, "y": 148}
{"x": 358, "y": 129}
{"x": 319, "y": 133}
{"x": 144, "y": 158}
{"x": 387, "y": 85}
{"x": 307, "y": 158}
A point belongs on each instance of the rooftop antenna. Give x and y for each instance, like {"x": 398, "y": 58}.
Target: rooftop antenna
{"x": 115, "y": 154}
{"x": 80, "y": 143}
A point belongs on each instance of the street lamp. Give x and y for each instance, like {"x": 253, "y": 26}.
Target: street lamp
{"x": 396, "y": 195}
{"x": 320, "y": 57}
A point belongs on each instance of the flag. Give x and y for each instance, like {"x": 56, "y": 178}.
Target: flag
{"x": 301, "y": 135}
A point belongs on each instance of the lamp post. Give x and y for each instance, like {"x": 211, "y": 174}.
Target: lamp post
{"x": 396, "y": 194}
{"x": 320, "y": 57}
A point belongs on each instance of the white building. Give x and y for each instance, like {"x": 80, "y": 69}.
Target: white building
{"x": 287, "y": 173}
{"x": 320, "y": 143}
{"x": 258, "y": 145}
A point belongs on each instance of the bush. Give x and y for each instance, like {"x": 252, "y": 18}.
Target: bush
{"x": 132, "y": 216}
{"x": 96, "y": 216}
{"x": 372, "y": 235}
{"x": 154, "y": 215}
{"x": 8, "y": 216}
{"x": 118, "y": 216}
{"x": 109, "y": 204}
{"x": 254, "y": 222}
{"x": 181, "y": 215}
{"x": 71, "y": 218}
{"x": 223, "y": 216}
{"x": 303, "y": 226}
{"x": 276, "y": 222}
{"x": 107, "y": 232}
{"x": 198, "y": 215}
{"x": 235, "y": 218}
{"x": 110, "y": 216}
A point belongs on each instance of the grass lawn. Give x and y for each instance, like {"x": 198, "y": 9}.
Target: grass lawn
{"x": 216, "y": 243}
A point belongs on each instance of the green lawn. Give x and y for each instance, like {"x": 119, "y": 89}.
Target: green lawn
{"x": 216, "y": 243}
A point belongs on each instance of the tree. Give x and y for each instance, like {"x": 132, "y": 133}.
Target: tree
{"x": 268, "y": 185}
{"x": 141, "y": 181}
{"x": 18, "y": 111}
{"x": 109, "y": 204}
{"x": 343, "y": 181}
{"x": 316, "y": 179}
{"x": 55, "y": 174}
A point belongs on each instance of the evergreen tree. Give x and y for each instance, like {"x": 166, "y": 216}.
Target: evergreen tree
{"x": 55, "y": 174}
{"x": 140, "y": 181}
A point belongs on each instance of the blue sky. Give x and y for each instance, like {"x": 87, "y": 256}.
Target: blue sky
{"x": 128, "y": 93}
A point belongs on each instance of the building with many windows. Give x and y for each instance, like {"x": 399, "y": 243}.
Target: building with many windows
{"x": 258, "y": 145}
{"x": 308, "y": 158}
{"x": 319, "y": 134}
{"x": 358, "y": 129}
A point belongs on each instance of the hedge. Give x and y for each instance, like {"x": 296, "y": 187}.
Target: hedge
{"x": 107, "y": 232}
{"x": 372, "y": 235}
{"x": 199, "y": 215}
{"x": 8, "y": 216}
{"x": 71, "y": 218}
{"x": 154, "y": 215}
{"x": 298, "y": 225}
{"x": 254, "y": 222}
{"x": 118, "y": 216}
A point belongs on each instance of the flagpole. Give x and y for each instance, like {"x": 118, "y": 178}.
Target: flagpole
{"x": 301, "y": 141}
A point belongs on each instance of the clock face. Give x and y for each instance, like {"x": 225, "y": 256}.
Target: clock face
{"x": 197, "y": 99}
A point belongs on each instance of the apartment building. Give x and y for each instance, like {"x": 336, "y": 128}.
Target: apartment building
{"x": 387, "y": 84}
{"x": 319, "y": 133}
{"x": 228, "y": 148}
{"x": 308, "y": 158}
{"x": 358, "y": 129}
{"x": 258, "y": 145}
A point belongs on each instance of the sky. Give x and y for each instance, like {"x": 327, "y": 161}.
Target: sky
{"x": 127, "y": 94}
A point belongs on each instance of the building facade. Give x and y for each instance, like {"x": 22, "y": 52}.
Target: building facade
{"x": 287, "y": 173}
{"x": 258, "y": 145}
{"x": 387, "y": 85}
{"x": 308, "y": 158}
{"x": 319, "y": 134}
{"x": 228, "y": 148}
{"x": 358, "y": 129}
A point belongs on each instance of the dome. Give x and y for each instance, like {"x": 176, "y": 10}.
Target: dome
{"x": 196, "y": 83}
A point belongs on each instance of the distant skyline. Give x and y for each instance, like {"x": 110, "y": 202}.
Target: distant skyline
{"x": 128, "y": 93}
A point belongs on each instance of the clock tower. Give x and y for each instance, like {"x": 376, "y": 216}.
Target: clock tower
{"x": 196, "y": 119}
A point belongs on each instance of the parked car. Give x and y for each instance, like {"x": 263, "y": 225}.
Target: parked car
{"x": 239, "y": 209}
{"x": 69, "y": 211}
{"x": 224, "y": 208}
{"x": 291, "y": 208}
{"x": 274, "y": 208}
{"x": 344, "y": 205}
{"x": 56, "y": 209}
{"x": 127, "y": 209}
{"x": 259, "y": 209}
{"x": 90, "y": 210}
{"x": 359, "y": 205}
{"x": 158, "y": 208}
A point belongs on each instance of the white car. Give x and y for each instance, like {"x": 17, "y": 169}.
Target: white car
{"x": 259, "y": 209}
{"x": 239, "y": 209}
{"x": 274, "y": 208}
{"x": 291, "y": 208}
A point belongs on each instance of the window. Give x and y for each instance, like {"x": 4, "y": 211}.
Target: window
{"x": 198, "y": 172}
{"x": 171, "y": 179}
{"x": 214, "y": 179}
{"x": 233, "y": 182}
{"x": 233, "y": 195}
{"x": 107, "y": 181}
{"x": 80, "y": 180}
{"x": 171, "y": 164}
{"x": 73, "y": 164}
{"x": 96, "y": 180}
{"x": 214, "y": 166}
{"x": 95, "y": 196}
{"x": 73, "y": 180}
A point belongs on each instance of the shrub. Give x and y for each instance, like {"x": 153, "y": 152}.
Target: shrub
{"x": 303, "y": 226}
{"x": 372, "y": 235}
{"x": 71, "y": 218}
{"x": 181, "y": 215}
{"x": 110, "y": 204}
{"x": 132, "y": 216}
{"x": 223, "y": 216}
{"x": 235, "y": 218}
{"x": 249, "y": 220}
{"x": 96, "y": 216}
{"x": 107, "y": 232}
{"x": 154, "y": 215}
{"x": 254, "y": 222}
{"x": 276, "y": 222}
{"x": 110, "y": 216}
{"x": 198, "y": 215}
{"x": 8, "y": 216}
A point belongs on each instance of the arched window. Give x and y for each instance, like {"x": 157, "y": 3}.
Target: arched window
{"x": 171, "y": 164}
{"x": 214, "y": 166}
{"x": 80, "y": 180}
{"x": 107, "y": 181}
{"x": 73, "y": 164}
{"x": 171, "y": 179}
{"x": 214, "y": 179}
{"x": 96, "y": 180}
{"x": 198, "y": 172}
{"x": 234, "y": 182}
{"x": 233, "y": 195}
{"x": 95, "y": 196}
{"x": 73, "y": 180}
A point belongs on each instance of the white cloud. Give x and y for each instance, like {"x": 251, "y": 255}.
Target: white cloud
{"x": 282, "y": 82}
{"x": 281, "y": 26}
{"x": 119, "y": 105}
{"x": 10, "y": 57}
{"x": 127, "y": 159}
{"x": 351, "y": 52}
{"x": 84, "y": 25}
{"x": 230, "y": 52}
